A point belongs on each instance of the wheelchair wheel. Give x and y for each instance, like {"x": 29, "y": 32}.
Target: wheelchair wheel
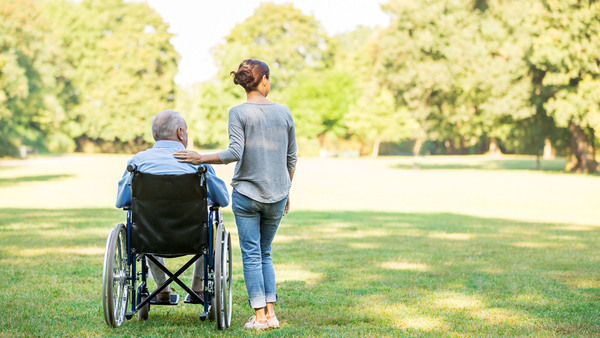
{"x": 115, "y": 288}
{"x": 223, "y": 295}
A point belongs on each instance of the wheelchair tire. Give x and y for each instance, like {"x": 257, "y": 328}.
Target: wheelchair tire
{"x": 223, "y": 297}
{"x": 115, "y": 288}
{"x": 143, "y": 312}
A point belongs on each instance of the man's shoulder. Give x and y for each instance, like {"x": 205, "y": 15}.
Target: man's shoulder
{"x": 142, "y": 155}
{"x": 161, "y": 162}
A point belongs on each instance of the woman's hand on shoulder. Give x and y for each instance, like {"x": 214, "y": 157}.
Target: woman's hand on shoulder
{"x": 188, "y": 156}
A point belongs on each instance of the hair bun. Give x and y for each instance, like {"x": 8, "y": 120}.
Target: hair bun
{"x": 243, "y": 77}
{"x": 250, "y": 73}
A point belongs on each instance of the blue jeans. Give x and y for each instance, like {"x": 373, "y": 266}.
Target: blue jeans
{"x": 257, "y": 224}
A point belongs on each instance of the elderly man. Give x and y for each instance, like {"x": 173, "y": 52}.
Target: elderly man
{"x": 169, "y": 130}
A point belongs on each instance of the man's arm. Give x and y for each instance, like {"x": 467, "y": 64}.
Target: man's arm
{"x": 124, "y": 192}
{"x": 217, "y": 190}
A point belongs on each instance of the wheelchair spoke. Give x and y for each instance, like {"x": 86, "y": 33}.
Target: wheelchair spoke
{"x": 117, "y": 298}
{"x": 123, "y": 306}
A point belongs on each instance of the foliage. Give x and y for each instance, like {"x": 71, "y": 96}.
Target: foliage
{"x": 319, "y": 101}
{"x": 458, "y": 70}
{"x": 124, "y": 67}
{"x": 456, "y": 74}
{"x": 206, "y": 109}
{"x": 375, "y": 117}
{"x": 33, "y": 80}
{"x": 280, "y": 35}
{"x": 566, "y": 51}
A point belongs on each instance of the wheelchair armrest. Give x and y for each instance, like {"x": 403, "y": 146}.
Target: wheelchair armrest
{"x": 214, "y": 207}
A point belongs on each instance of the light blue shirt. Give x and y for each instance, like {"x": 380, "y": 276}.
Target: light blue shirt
{"x": 159, "y": 160}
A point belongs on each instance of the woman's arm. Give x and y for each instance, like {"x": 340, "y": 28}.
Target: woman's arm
{"x": 190, "y": 156}
{"x": 292, "y": 157}
{"x": 231, "y": 154}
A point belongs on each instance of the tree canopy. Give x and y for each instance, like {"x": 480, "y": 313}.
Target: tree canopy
{"x": 461, "y": 76}
{"x": 33, "y": 80}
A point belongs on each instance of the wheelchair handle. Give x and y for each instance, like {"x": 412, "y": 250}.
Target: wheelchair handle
{"x": 131, "y": 167}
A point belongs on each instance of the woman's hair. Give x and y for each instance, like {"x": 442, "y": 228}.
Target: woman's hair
{"x": 250, "y": 73}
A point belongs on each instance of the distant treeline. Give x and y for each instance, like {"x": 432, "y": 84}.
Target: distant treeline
{"x": 446, "y": 77}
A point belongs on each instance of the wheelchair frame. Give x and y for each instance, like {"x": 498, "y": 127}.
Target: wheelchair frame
{"x": 120, "y": 274}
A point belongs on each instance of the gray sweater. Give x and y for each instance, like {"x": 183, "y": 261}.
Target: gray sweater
{"x": 262, "y": 138}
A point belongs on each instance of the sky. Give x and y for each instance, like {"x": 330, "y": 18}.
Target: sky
{"x": 199, "y": 25}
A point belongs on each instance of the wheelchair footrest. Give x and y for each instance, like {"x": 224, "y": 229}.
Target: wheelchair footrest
{"x": 190, "y": 300}
{"x": 174, "y": 300}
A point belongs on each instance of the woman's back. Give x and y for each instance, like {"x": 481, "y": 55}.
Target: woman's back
{"x": 262, "y": 139}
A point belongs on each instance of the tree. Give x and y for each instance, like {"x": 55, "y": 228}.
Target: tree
{"x": 456, "y": 67}
{"x": 297, "y": 51}
{"x": 280, "y": 35}
{"x": 33, "y": 80}
{"x": 375, "y": 117}
{"x": 319, "y": 102}
{"x": 124, "y": 68}
{"x": 206, "y": 106}
{"x": 566, "y": 52}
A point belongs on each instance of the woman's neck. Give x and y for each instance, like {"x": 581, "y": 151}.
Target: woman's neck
{"x": 256, "y": 97}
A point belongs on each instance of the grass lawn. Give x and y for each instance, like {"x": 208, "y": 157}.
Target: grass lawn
{"x": 465, "y": 247}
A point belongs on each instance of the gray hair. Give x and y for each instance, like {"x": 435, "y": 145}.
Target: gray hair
{"x": 165, "y": 125}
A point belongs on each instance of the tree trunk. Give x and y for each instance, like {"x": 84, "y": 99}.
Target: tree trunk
{"x": 464, "y": 149}
{"x": 417, "y": 147}
{"x": 494, "y": 148}
{"x": 416, "y": 151}
{"x": 582, "y": 152}
{"x": 548, "y": 154}
{"x": 375, "y": 152}
{"x": 450, "y": 148}
{"x": 323, "y": 151}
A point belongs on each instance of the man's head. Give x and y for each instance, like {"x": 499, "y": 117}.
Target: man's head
{"x": 169, "y": 125}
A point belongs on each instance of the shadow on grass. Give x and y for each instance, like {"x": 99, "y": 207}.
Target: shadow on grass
{"x": 338, "y": 273}
{"x": 6, "y": 181}
{"x": 557, "y": 165}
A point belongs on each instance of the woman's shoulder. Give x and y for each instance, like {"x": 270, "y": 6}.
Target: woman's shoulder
{"x": 282, "y": 107}
{"x": 251, "y": 105}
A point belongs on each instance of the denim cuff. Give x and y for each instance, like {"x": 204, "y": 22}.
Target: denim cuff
{"x": 272, "y": 298}
{"x": 260, "y": 302}
{"x": 257, "y": 303}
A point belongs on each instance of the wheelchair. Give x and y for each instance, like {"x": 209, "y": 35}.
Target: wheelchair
{"x": 168, "y": 218}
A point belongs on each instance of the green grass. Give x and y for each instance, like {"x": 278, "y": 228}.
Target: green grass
{"x": 370, "y": 249}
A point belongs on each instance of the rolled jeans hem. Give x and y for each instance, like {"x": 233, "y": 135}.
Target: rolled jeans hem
{"x": 260, "y": 302}
{"x": 257, "y": 303}
{"x": 272, "y": 298}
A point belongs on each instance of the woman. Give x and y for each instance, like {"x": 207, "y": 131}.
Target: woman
{"x": 262, "y": 139}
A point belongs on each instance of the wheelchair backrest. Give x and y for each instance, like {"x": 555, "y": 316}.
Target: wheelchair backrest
{"x": 169, "y": 215}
